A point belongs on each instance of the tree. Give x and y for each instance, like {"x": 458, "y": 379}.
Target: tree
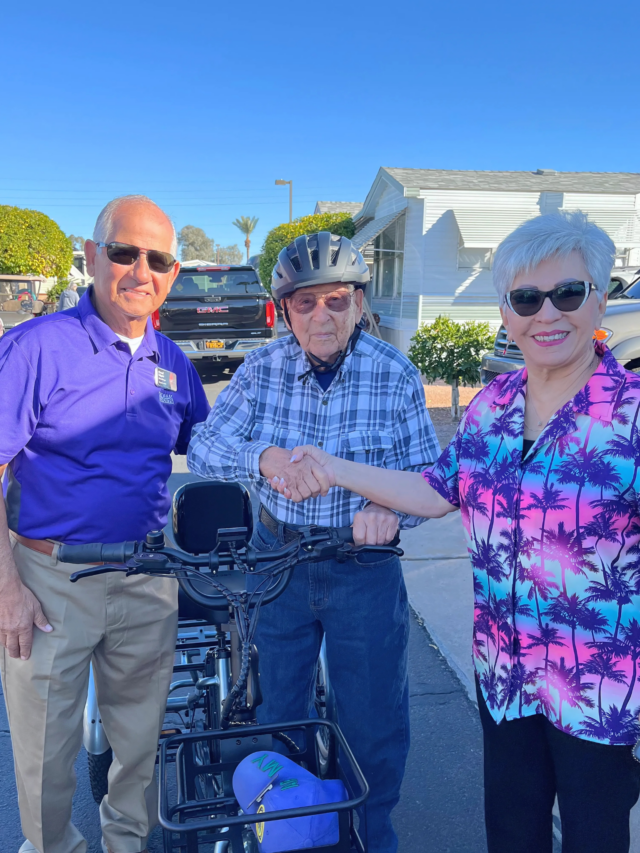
{"x": 228, "y": 254}
{"x": 31, "y": 243}
{"x": 194, "y": 244}
{"x": 452, "y": 352}
{"x": 279, "y": 237}
{"x": 55, "y": 292}
{"x": 247, "y": 225}
{"x": 77, "y": 242}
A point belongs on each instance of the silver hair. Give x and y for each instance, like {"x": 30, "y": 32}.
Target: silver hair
{"x": 104, "y": 222}
{"x": 554, "y": 234}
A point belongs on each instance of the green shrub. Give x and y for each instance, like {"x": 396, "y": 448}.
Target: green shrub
{"x": 452, "y": 352}
{"x": 55, "y": 292}
{"x": 282, "y": 235}
{"x": 31, "y": 243}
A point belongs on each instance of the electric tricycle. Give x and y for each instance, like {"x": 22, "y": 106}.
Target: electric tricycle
{"x": 212, "y": 747}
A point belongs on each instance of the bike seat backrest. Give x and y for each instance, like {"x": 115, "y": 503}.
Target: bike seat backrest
{"x": 201, "y": 509}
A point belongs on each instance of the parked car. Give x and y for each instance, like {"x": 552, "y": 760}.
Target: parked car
{"x": 620, "y": 331}
{"x": 217, "y": 313}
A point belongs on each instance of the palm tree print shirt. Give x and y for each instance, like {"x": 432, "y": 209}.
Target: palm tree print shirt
{"x": 554, "y": 542}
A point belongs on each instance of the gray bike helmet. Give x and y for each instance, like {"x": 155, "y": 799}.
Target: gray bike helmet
{"x": 320, "y": 258}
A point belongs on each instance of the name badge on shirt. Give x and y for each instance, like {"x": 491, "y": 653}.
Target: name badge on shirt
{"x": 166, "y": 379}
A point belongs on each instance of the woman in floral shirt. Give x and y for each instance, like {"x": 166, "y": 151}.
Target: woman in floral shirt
{"x": 544, "y": 469}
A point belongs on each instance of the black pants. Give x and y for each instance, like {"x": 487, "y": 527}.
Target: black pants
{"x": 528, "y": 761}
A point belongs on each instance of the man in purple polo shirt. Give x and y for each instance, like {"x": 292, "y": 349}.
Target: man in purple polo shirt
{"x": 92, "y": 403}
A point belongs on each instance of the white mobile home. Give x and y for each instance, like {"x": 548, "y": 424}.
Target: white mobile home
{"x": 430, "y": 235}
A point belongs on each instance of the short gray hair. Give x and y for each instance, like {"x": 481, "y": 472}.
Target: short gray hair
{"x": 104, "y": 222}
{"x": 556, "y": 234}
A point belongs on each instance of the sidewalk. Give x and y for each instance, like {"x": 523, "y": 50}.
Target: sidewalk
{"x": 438, "y": 576}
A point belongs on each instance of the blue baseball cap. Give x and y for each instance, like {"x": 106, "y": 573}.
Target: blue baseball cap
{"x": 267, "y": 782}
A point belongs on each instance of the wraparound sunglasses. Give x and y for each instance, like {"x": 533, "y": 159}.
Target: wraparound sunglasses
{"x": 568, "y": 296}
{"x": 126, "y": 256}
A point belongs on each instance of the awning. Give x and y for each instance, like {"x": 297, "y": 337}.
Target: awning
{"x": 486, "y": 229}
{"x": 375, "y": 227}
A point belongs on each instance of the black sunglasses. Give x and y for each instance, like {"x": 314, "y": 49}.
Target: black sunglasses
{"x": 569, "y": 296}
{"x": 126, "y": 256}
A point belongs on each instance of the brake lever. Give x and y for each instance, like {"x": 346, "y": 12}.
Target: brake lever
{"x": 146, "y": 562}
{"x": 95, "y": 570}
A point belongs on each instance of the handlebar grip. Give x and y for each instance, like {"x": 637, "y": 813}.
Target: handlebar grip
{"x": 96, "y": 552}
{"x": 345, "y": 534}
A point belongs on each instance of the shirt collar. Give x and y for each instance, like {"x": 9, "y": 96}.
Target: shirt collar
{"x": 103, "y": 336}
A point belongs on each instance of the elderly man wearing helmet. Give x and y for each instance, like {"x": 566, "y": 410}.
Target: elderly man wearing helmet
{"x": 332, "y": 385}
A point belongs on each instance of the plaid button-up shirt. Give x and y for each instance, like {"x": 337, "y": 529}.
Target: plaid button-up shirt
{"x": 374, "y": 411}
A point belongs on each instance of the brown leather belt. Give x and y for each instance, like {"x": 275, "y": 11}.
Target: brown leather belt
{"x": 273, "y": 525}
{"x": 42, "y": 546}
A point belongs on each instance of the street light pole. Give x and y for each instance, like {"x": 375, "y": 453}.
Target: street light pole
{"x": 281, "y": 184}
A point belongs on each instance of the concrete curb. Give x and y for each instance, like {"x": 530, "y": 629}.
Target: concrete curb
{"x": 462, "y": 677}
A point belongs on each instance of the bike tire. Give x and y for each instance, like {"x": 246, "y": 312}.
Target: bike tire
{"x": 325, "y": 747}
{"x": 98, "y": 772}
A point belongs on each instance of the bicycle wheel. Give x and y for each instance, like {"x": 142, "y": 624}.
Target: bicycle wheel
{"x": 98, "y": 771}
{"x": 324, "y": 706}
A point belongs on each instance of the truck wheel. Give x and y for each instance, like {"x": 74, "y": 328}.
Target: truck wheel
{"x": 98, "y": 770}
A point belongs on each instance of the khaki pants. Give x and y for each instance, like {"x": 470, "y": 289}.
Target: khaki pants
{"x": 128, "y": 627}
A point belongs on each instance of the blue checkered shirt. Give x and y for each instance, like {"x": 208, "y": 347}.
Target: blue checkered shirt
{"x": 374, "y": 411}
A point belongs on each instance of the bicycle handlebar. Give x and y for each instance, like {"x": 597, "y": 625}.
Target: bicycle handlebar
{"x": 153, "y": 558}
{"x": 96, "y": 552}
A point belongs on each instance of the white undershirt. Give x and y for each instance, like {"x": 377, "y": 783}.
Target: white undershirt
{"x": 134, "y": 343}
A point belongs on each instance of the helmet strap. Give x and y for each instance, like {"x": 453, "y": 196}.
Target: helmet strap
{"x": 326, "y": 366}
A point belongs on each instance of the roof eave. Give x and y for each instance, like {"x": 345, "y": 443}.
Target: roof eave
{"x": 369, "y": 207}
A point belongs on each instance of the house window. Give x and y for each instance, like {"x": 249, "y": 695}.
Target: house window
{"x": 388, "y": 254}
{"x": 474, "y": 259}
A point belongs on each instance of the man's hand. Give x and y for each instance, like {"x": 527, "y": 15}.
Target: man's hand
{"x": 297, "y": 480}
{"x": 20, "y": 610}
{"x": 374, "y": 525}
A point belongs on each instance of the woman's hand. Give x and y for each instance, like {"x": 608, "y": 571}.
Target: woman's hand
{"x": 402, "y": 491}
{"x": 318, "y": 462}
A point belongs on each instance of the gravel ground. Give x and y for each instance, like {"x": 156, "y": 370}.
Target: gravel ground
{"x": 445, "y": 427}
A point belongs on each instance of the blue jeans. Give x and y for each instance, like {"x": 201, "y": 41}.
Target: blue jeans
{"x": 361, "y": 607}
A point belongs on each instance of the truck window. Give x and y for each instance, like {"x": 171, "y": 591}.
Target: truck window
{"x": 215, "y": 283}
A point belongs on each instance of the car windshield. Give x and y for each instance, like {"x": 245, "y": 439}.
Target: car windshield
{"x": 215, "y": 283}
{"x": 15, "y": 290}
{"x": 632, "y": 292}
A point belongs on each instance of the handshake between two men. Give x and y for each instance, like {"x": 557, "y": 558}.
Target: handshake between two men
{"x": 306, "y": 472}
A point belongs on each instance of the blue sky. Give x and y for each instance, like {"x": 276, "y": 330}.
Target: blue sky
{"x": 203, "y": 105}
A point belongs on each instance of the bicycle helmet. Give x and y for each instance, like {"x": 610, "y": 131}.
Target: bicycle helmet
{"x": 321, "y": 258}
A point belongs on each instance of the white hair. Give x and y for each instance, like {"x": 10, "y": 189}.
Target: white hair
{"x": 104, "y": 222}
{"x": 554, "y": 234}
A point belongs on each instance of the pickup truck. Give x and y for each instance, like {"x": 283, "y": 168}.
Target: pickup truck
{"x": 217, "y": 313}
{"x": 620, "y": 331}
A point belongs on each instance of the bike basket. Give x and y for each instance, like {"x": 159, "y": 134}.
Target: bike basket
{"x": 199, "y": 808}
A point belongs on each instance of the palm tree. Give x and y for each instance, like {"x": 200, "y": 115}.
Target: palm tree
{"x": 602, "y": 665}
{"x": 563, "y": 679}
{"x": 247, "y": 225}
{"x": 631, "y": 639}
{"x": 617, "y": 726}
{"x": 571, "y": 611}
{"x": 546, "y": 637}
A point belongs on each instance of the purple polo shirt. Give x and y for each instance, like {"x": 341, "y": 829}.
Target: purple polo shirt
{"x": 87, "y": 430}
